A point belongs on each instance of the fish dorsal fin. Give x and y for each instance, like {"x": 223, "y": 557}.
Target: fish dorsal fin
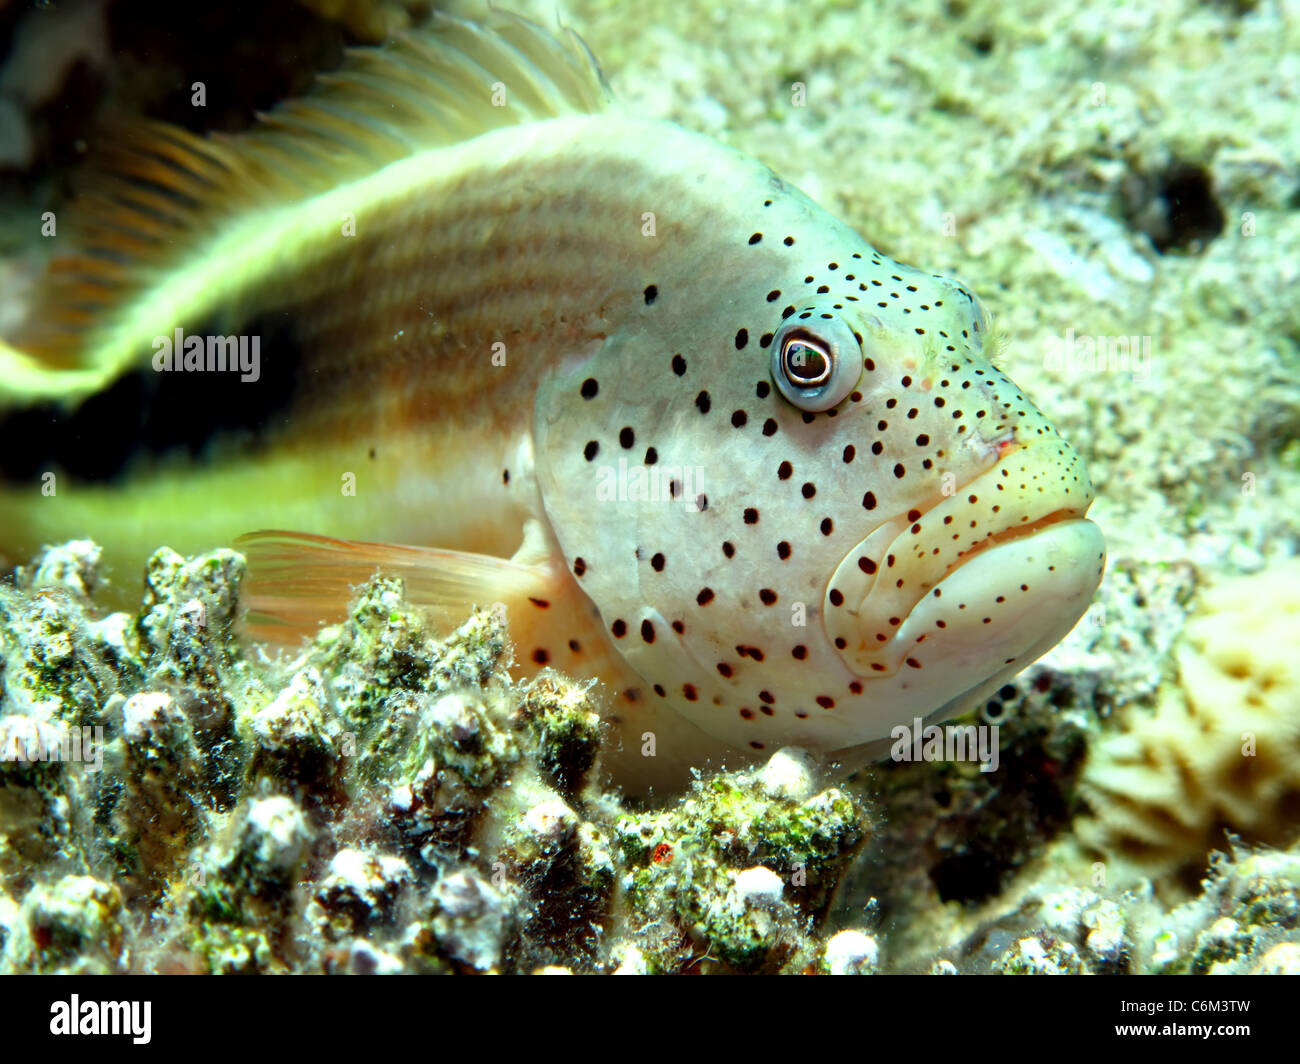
{"x": 428, "y": 88}
{"x": 159, "y": 192}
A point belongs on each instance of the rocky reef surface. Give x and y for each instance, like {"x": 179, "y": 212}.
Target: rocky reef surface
{"x": 176, "y": 799}
{"x": 386, "y": 801}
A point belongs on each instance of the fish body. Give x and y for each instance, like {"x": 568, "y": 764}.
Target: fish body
{"x": 706, "y": 443}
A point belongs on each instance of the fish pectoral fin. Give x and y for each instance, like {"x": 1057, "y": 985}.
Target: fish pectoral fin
{"x": 298, "y": 581}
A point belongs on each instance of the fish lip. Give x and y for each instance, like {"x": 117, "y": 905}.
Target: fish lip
{"x": 1014, "y": 532}
{"x": 1020, "y": 530}
{"x": 884, "y": 577}
{"x": 1007, "y": 534}
{"x": 1004, "y": 446}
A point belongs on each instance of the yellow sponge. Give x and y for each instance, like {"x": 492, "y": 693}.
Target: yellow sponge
{"x": 1221, "y": 750}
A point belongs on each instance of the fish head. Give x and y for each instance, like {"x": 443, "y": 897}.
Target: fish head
{"x": 968, "y": 550}
{"x": 825, "y": 513}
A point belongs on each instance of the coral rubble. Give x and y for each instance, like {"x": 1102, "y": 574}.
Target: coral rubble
{"x": 385, "y": 801}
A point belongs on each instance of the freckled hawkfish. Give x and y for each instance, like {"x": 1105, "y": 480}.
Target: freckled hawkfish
{"x": 703, "y": 442}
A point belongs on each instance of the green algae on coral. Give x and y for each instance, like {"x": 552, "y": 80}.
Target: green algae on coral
{"x": 388, "y": 800}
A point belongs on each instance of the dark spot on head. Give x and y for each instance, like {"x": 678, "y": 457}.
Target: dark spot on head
{"x": 679, "y": 365}
{"x": 651, "y": 294}
{"x": 590, "y": 388}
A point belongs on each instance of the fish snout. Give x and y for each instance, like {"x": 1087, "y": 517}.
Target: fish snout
{"x": 990, "y": 568}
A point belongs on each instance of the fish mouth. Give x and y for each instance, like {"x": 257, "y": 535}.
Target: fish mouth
{"x": 1019, "y": 531}
{"x": 1013, "y": 543}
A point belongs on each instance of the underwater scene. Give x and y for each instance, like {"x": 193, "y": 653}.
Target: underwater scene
{"x": 660, "y": 488}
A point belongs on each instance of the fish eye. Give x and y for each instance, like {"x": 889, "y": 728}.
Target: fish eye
{"x": 815, "y": 365}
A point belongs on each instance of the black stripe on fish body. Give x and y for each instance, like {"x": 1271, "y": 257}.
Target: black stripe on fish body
{"x": 148, "y": 414}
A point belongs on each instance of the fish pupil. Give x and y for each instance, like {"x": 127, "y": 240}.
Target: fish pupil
{"x": 806, "y": 365}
